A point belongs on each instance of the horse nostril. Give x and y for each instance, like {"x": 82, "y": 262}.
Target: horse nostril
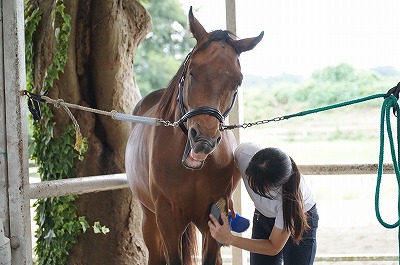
{"x": 219, "y": 139}
{"x": 193, "y": 132}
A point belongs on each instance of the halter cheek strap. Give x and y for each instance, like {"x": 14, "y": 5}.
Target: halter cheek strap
{"x": 182, "y": 82}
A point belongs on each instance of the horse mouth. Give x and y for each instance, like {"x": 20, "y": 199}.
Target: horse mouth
{"x": 192, "y": 160}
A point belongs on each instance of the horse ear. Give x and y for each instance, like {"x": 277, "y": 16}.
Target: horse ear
{"x": 245, "y": 45}
{"x": 199, "y": 33}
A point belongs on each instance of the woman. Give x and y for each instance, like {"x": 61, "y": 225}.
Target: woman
{"x": 285, "y": 218}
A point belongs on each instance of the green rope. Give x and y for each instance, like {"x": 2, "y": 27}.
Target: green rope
{"x": 338, "y": 105}
{"x": 302, "y": 113}
{"x": 388, "y": 103}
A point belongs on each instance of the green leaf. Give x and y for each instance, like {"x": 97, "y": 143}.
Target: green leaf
{"x": 105, "y": 230}
{"x": 50, "y": 234}
{"x": 97, "y": 228}
{"x": 84, "y": 223}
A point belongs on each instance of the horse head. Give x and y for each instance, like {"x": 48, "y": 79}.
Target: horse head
{"x": 211, "y": 76}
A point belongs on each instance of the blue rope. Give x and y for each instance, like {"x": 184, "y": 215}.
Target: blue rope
{"x": 388, "y": 103}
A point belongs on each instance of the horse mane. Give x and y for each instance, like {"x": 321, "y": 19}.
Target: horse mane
{"x": 168, "y": 101}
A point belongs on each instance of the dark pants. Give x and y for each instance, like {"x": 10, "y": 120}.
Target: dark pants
{"x": 292, "y": 254}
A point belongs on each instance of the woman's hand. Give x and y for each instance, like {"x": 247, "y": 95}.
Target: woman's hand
{"x": 221, "y": 233}
{"x": 230, "y": 207}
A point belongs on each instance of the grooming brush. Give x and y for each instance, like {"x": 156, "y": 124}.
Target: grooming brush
{"x": 238, "y": 224}
{"x": 217, "y": 209}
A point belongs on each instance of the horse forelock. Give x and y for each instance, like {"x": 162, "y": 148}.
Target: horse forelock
{"x": 221, "y": 35}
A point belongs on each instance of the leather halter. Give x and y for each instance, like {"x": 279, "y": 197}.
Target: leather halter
{"x": 200, "y": 110}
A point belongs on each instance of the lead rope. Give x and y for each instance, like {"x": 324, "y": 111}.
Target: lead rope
{"x": 388, "y": 103}
{"x": 33, "y": 105}
{"x": 302, "y": 113}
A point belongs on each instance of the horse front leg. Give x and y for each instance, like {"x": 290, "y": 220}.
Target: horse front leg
{"x": 211, "y": 251}
{"x": 171, "y": 229}
{"x": 152, "y": 238}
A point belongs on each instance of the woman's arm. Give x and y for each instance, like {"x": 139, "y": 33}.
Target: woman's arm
{"x": 271, "y": 246}
{"x": 235, "y": 182}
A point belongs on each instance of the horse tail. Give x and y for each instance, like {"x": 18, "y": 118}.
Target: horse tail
{"x": 189, "y": 245}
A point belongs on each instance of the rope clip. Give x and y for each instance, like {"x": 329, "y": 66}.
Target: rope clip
{"x": 33, "y": 104}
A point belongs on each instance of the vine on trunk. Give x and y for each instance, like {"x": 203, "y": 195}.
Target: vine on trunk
{"x": 58, "y": 223}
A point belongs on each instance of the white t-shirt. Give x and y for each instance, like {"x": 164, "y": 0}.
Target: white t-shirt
{"x": 271, "y": 208}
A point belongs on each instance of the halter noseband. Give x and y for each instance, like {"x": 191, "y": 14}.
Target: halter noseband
{"x": 200, "y": 110}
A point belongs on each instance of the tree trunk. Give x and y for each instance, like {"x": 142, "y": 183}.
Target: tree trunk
{"x": 99, "y": 74}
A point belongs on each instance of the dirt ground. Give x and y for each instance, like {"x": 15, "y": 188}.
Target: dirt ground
{"x": 362, "y": 240}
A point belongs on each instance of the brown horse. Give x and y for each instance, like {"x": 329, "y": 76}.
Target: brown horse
{"x": 177, "y": 191}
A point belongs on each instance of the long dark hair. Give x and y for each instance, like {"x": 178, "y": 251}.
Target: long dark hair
{"x": 271, "y": 169}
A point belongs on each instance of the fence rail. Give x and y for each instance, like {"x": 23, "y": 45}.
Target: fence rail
{"x": 356, "y": 257}
{"x": 90, "y": 184}
{"x": 336, "y": 258}
{"x": 76, "y": 186}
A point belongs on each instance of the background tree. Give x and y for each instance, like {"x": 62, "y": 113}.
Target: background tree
{"x": 287, "y": 94}
{"x": 162, "y": 52}
{"x": 82, "y": 51}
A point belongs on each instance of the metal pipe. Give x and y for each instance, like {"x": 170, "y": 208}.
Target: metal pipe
{"x": 135, "y": 119}
{"x": 76, "y": 186}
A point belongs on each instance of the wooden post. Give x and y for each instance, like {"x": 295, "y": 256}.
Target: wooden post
{"x": 14, "y": 140}
{"x": 235, "y": 117}
{"x": 3, "y": 147}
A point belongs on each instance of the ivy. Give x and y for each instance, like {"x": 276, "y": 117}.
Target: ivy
{"x": 58, "y": 223}
{"x": 62, "y": 35}
{"x": 32, "y": 18}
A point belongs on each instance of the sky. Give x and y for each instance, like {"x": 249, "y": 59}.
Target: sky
{"x": 303, "y": 35}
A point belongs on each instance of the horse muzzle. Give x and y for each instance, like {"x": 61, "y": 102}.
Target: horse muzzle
{"x": 198, "y": 148}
